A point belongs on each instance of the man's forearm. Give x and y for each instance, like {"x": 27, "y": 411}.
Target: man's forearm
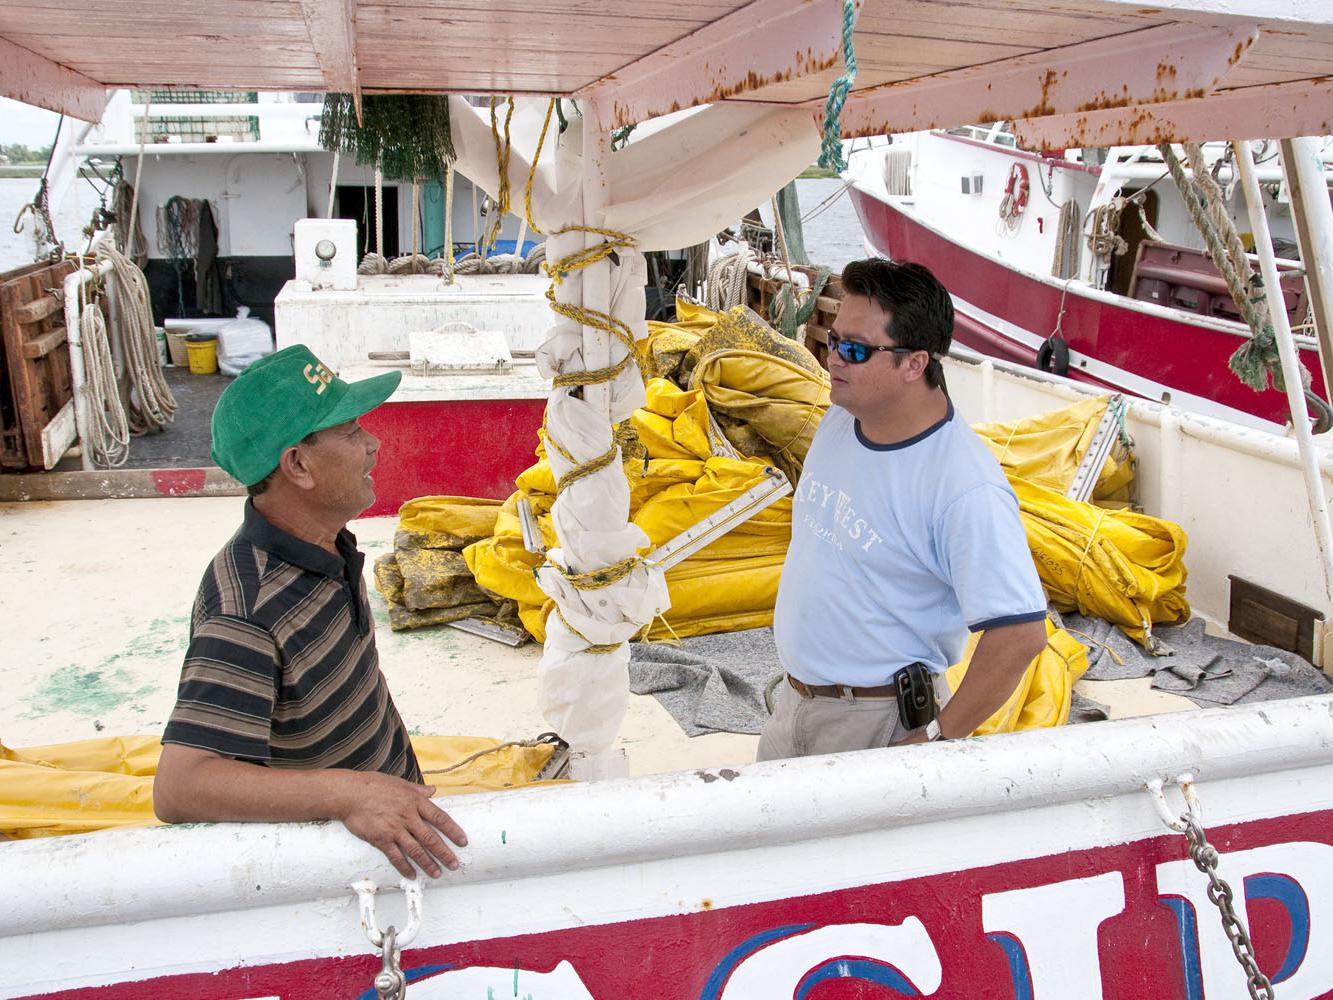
{"x": 997, "y": 666}
{"x": 198, "y": 786}
{"x": 395, "y": 815}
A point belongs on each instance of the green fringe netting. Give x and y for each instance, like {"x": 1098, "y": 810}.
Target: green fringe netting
{"x": 406, "y": 135}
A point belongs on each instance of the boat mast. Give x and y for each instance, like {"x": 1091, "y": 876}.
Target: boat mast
{"x": 1303, "y": 174}
{"x": 1291, "y": 373}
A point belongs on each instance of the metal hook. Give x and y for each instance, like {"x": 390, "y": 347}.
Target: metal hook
{"x": 390, "y": 983}
{"x": 1176, "y": 822}
{"x": 412, "y": 892}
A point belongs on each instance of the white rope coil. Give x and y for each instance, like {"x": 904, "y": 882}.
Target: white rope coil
{"x": 108, "y": 436}
{"x": 151, "y": 403}
{"x": 726, "y": 280}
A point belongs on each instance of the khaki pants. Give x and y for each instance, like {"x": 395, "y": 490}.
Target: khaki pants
{"x": 807, "y": 727}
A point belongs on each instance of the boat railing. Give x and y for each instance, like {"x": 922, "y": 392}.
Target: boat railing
{"x": 266, "y": 123}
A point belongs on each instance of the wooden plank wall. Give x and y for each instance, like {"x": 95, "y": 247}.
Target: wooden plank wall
{"x": 760, "y": 292}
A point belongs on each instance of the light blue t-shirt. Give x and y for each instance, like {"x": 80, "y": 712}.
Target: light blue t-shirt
{"x": 896, "y": 552}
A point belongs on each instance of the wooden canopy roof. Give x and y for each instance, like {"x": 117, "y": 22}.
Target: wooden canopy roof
{"x": 1071, "y": 72}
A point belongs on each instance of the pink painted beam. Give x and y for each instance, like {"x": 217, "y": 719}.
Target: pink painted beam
{"x": 25, "y": 76}
{"x": 1306, "y": 12}
{"x": 764, "y": 42}
{"x": 332, "y": 27}
{"x": 1276, "y": 111}
{"x": 1177, "y": 61}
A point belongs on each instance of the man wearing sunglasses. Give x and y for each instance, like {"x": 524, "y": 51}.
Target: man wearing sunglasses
{"x": 905, "y": 537}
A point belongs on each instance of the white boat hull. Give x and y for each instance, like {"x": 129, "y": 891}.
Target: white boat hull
{"x": 1029, "y": 865}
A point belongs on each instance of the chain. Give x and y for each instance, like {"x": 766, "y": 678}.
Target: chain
{"x": 1219, "y": 893}
{"x": 390, "y": 983}
{"x": 1205, "y": 858}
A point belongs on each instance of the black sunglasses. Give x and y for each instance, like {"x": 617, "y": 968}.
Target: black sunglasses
{"x": 856, "y": 353}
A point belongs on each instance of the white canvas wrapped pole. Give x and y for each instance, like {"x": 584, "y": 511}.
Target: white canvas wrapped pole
{"x": 597, "y": 278}
{"x": 681, "y": 187}
{"x": 584, "y": 694}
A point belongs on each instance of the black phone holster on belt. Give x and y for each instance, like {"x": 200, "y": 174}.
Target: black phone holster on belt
{"x": 915, "y": 689}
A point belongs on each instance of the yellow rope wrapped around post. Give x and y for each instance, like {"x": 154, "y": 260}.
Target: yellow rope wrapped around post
{"x": 502, "y": 163}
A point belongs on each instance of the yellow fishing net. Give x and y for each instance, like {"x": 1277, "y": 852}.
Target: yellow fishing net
{"x": 100, "y": 784}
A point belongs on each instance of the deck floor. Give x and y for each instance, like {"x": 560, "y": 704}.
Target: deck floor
{"x": 96, "y": 596}
{"x": 185, "y": 443}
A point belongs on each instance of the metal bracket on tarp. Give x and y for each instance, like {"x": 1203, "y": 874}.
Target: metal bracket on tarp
{"x": 773, "y": 488}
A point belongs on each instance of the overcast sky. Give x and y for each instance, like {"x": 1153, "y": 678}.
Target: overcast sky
{"x": 22, "y": 123}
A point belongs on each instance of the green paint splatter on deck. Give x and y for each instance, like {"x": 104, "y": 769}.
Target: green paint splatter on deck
{"x": 77, "y": 689}
{"x": 106, "y": 686}
{"x": 160, "y": 637}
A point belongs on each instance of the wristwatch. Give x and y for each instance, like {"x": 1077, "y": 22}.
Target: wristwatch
{"x": 933, "y": 732}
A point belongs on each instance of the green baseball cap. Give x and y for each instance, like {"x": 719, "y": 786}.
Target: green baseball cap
{"x": 280, "y": 399}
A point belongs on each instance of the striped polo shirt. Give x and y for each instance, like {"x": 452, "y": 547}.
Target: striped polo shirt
{"x": 282, "y": 668}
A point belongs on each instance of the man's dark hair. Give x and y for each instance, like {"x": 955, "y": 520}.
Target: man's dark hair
{"x": 920, "y": 310}
{"x": 255, "y": 489}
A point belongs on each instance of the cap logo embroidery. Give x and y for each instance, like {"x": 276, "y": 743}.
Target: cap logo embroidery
{"x": 319, "y": 376}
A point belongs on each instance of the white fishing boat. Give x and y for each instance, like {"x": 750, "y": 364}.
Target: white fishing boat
{"x": 1050, "y": 863}
{"x": 247, "y": 167}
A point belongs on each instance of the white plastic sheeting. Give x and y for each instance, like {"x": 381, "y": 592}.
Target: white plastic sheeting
{"x": 678, "y": 185}
{"x": 242, "y": 342}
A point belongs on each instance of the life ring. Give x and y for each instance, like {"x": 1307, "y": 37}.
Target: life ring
{"x": 1015, "y": 192}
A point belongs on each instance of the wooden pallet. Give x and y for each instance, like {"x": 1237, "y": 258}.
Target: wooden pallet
{"x": 36, "y": 391}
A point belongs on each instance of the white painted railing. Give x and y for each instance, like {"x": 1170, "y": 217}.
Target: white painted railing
{"x": 116, "y": 879}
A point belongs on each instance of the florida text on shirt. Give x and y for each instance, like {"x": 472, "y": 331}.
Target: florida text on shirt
{"x": 829, "y": 515}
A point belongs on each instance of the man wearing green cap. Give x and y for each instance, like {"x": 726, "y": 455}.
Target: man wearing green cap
{"x": 282, "y": 671}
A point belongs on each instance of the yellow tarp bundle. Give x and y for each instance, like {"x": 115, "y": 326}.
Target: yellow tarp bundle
{"x": 1119, "y": 565}
{"x": 425, "y": 580}
{"x": 727, "y": 586}
{"x": 753, "y": 400}
{"x": 100, "y": 784}
{"x": 1115, "y": 564}
{"x": 1046, "y": 449}
{"x": 1043, "y": 696}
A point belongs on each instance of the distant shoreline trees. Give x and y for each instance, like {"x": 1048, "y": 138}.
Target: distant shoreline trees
{"x": 16, "y": 152}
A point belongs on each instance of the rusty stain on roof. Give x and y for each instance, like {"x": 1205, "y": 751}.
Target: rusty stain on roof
{"x": 806, "y": 63}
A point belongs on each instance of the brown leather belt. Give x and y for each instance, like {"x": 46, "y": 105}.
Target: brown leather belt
{"x": 845, "y": 691}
